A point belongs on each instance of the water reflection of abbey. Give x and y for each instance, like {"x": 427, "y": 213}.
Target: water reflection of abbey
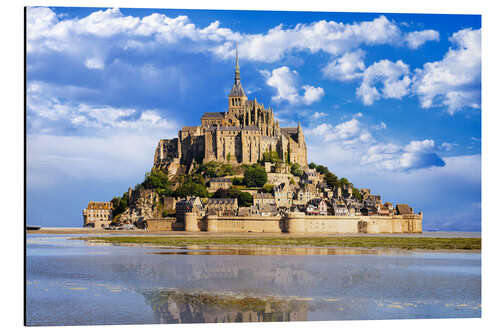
{"x": 216, "y": 272}
{"x": 174, "y": 306}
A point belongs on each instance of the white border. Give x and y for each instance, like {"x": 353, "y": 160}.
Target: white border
{"x": 12, "y": 56}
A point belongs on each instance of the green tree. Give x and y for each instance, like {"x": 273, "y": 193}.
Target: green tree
{"x": 238, "y": 181}
{"x": 191, "y": 189}
{"x": 343, "y": 181}
{"x": 321, "y": 169}
{"x": 226, "y": 170}
{"x": 356, "y": 194}
{"x": 270, "y": 156}
{"x": 268, "y": 188}
{"x": 255, "y": 176}
{"x": 120, "y": 204}
{"x": 296, "y": 170}
{"x": 312, "y": 166}
{"x": 331, "y": 180}
{"x": 156, "y": 179}
{"x": 245, "y": 199}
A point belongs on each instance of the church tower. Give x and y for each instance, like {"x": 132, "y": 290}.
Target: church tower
{"x": 237, "y": 96}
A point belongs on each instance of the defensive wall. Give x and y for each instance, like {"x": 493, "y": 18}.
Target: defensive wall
{"x": 163, "y": 224}
{"x": 298, "y": 222}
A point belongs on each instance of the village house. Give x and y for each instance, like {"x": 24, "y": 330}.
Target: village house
{"x": 98, "y": 215}
{"x": 221, "y": 206}
{"x": 311, "y": 176}
{"x": 317, "y": 207}
{"x": 368, "y": 210}
{"x": 339, "y": 208}
{"x": 346, "y": 190}
{"x": 389, "y": 207}
{"x": 267, "y": 209}
{"x": 403, "y": 209}
{"x": 219, "y": 183}
{"x": 190, "y": 204}
{"x": 263, "y": 198}
{"x": 283, "y": 196}
{"x": 382, "y": 210}
{"x": 278, "y": 178}
{"x": 248, "y": 211}
{"x": 304, "y": 194}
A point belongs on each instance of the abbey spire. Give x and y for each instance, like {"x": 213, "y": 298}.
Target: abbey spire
{"x": 237, "y": 90}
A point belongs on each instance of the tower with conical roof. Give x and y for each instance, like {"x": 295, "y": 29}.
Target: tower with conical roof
{"x": 237, "y": 96}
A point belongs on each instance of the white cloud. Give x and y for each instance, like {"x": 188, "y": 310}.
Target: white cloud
{"x": 106, "y": 29}
{"x": 348, "y": 67}
{"x": 415, "y": 155}
{"x": 454, "y": 81}
{"x": 317, "y": 115}
{"x": 415, "y": 39}
{"x": 312, "y": 94}
{"x": 348, "y": 133}
{"x": 380, "y": 126}
{"x": 353, "y": 139}
{"x": 446, "y": 146}
{"x": 94, "y": 63}
{"x": 285, "y": 81}
{"x": 420, "y": 146}
{"x": 393, "y": 77}
{"x": 56, "y": 115}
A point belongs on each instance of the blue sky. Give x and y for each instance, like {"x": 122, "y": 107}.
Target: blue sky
{"x": 389, "y": 101}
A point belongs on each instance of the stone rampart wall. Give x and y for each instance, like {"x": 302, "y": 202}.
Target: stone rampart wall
{"x": 300, "y": 223}
{"x": 166, "y": 224}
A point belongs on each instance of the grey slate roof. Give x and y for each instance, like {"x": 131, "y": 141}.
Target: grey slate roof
{"x": 220, "y": 180}
{"x": 251, "y": 128}
{"x": 213, "y": 115}
{"x": 237, "y": 90}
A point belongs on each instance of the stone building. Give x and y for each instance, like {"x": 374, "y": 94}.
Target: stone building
{"x": 263, "y": 199}
{"x": 221, "y": 206}
{"x": 242, "y": 134}
{"x": 98, "y": 214}
{"x": 188, "y": 205}
{"x": 217, "y": 183}
{"x": 283, "y": 196}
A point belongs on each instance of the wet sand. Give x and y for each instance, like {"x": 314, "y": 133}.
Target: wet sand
{"x": 87, "y": 231}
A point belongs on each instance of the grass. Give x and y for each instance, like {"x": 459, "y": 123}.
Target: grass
{"x": 409, "y": 243}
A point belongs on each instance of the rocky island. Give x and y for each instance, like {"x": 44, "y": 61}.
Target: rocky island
{"x": 239, "y": 171}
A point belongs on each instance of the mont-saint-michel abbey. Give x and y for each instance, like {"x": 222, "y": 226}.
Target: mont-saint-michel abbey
{"x": 239, "y": 171}
{"x": 240, "y": 135}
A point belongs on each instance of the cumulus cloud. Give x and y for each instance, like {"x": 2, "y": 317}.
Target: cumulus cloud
{"x": 415, "y": 155}
{"x": 47, "y": 32}
{"x": 50, "y": 114}
{"x": 353, "y": 139}
{"x": 348, "y": 67}
{"x": 393, "y": 77}
{"x": 415, "y": 39}
{"x": 317, "y": 115}
{"x": 454, "y": 81}
{"x": 348, "y": 132}
{"x": 285, "y": 81}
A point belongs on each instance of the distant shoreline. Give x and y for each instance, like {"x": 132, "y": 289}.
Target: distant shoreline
{"x": 90, "y": 231}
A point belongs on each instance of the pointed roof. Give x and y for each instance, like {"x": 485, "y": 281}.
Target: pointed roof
{"x": 237, "y": 90}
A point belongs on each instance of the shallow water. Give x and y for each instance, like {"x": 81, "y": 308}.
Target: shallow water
{"x": 71, "y": 282}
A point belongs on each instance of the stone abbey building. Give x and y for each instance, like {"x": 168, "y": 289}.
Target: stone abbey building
{"x": 239, "y": 135}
